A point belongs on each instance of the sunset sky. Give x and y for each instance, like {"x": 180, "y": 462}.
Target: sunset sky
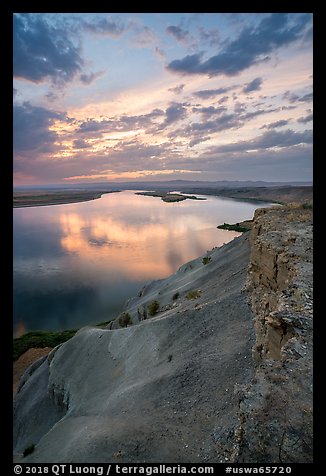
{"x": 162, "y": 96}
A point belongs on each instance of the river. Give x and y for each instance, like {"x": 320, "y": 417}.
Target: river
{"x": 77, "y": 264}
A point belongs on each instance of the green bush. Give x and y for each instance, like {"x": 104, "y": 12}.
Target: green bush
{"x": 175, "y": 296}
{"x": 234, "y": 227}
{"x": 193, "y": 294}
{"x": 125, "y": 319}
{"x": 28, "y": 450}
{"x": 39, "y": 339}
{"x": 307, "y": 206}
{"x": 206, "y": 259}
{"x": 153, "y": 307}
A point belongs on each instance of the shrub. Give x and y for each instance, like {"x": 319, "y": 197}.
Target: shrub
{"x": 125, "y": 319}
{"x": 206, "y": 259}
{"x": 28, "y": 450}
{"x": 235, "y": 227}
{"x": 170, "y": 357}
{"x": 307, "y": 206}
{"x": 39, "y": 339}
{"x": 175, "y": 296}
{"x": 193, "y": 294}
{"x": 153, "y": 307}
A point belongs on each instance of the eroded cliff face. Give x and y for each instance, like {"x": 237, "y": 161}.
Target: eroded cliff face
{"x": 275, "y": 409}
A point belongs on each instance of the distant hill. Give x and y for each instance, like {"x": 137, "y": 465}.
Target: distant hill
{"x": 165, "y": 185}
{"x": 253, "y": 191}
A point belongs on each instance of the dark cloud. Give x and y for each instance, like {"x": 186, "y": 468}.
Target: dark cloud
{"x": 141, "y": 121}
{"x": 43, "y": 51}
{"x": 81, "y": 144}
{"x": 269, "y": 140}
{"x": 160, "y": 53}
{"x": 122, "y": 123}
{"x": 223, "y": 99}
{"x": 287, "y": 108}
{"x": 177, "y": 32}
{"x": 291, "y": 97}
{"x": 133, "y": 155}
{"x": 51, "y": 96}
{"x": 240, "y": 108}
{"x": 190, "y": 64}
{"x": 175, "y": 112}
{"x": 105, "y": 26}
{"x": 127, "y": 156}
{"x": 91, "y": 125}
{"x": 306, "y": 119}
{"x": 259, "y": 112}
{"x": 209, "y": 110}
{"x": 226, "y": 121}
{"x": 252, "y": 46}
{"x": 274, "y": 125}
{"x": 90, "y": 77}
{"x": 31, "y": 128}
{"x": 198, "y": 140}
{"x": 212, "y": 37}
{"x": 210, "y": 125}
{"x": 208, "y": 93}
{"x": 136, "y": 150}
{"x": 306, "y": 98}
{"x": 254, "y": 85}
{"x": 178, "y": 89}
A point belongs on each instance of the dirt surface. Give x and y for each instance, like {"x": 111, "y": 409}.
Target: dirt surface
{"x": 24, "y": 361}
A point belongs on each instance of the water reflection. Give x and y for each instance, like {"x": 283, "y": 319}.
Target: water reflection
{"x": 135, "y": 250}
{"x": 76, "y": 264}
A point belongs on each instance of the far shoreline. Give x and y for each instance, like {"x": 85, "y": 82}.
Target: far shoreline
{"x": 258, "y": 195}
{"x": 32, "y": 199}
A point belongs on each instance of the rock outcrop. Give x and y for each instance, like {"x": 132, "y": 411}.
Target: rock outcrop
{"x": 220, "y": 372}
{"x": 275, "y": 410}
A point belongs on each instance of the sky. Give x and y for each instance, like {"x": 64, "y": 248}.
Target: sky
{"x": 162, "y": 96}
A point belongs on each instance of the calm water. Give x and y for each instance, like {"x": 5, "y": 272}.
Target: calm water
{"x": 77, "y": 264}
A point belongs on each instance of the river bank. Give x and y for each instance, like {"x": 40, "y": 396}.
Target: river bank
{"x": 39, "y": 199}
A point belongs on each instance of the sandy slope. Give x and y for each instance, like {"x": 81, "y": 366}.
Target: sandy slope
{"x": 158, "y": 391}
{"x": 24, "y": 361}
